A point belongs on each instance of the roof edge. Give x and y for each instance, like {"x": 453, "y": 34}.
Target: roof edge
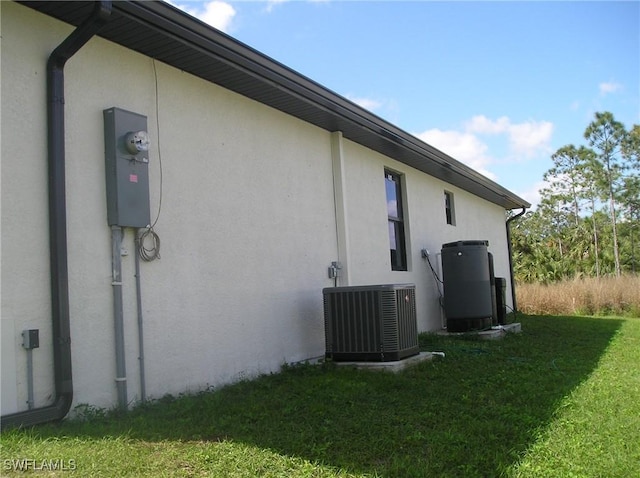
{"x": 311, "y": 101}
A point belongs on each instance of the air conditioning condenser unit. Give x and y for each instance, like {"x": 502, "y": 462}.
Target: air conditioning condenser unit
{"x": 374, "y": 323}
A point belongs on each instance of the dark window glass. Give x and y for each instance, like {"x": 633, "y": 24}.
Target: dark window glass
{"x": 396, "y": 224}
{"x": 449, "y": 209}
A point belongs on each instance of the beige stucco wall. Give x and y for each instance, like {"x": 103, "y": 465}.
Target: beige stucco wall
{"x": 247, "y": 225}
{"x": 425, "y": 223}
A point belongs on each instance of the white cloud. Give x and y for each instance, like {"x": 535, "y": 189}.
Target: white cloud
{"x": 530, "y": 138}
{"x": 271, "y": 4}
{"x": 463, "y": 146}
{"x": 609, "y": 87}
{"x": 367, "y": 103}
{"x": 216, "y": 13}
{"x": 525, "y": 139}
{"x": 532, "y": 195}
{"x": 483, "y": 125}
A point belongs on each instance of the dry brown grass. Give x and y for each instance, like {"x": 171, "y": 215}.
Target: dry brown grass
{"x": 586, "y": 296}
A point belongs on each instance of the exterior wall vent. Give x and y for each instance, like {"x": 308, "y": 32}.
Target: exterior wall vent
{"x": 375, "y": 323}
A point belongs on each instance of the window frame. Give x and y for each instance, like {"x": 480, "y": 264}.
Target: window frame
{"x": 396, "y": 226}
{"x": 449, "y": 208}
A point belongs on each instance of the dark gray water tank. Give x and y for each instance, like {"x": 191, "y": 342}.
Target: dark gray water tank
{"x": 466, "y": 274}
{"x": 501, "y": 300}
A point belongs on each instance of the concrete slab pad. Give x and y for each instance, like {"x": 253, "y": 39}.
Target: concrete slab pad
{"x": 496, "y": 332}
{"x": 394, "y": 366}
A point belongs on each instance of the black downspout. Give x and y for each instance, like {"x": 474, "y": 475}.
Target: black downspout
{"x": 510, "y": 249}
{"x": 58, "y": 224}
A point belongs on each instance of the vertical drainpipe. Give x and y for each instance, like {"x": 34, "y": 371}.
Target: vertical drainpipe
{"x": 510, "y": 249}
{"x": 59, "y": 274}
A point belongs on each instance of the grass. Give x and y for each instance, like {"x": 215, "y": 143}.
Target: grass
{"x": 582, "y": 296}
{"x": 557, "y": 400}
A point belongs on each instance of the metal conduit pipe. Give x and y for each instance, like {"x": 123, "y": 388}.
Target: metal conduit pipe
{"x": 118, "y": 315}
{"x": 58, "y": 224}
{"x": 143, "y": 386}
{"x": 510, "y": 252}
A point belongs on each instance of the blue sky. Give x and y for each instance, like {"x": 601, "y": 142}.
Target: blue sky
{"x": 498, "y": 85}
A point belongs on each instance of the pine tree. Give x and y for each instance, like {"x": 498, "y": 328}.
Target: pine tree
{"x": 607, "y": 136}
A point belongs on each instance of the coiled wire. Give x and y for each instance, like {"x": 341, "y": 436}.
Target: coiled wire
{"x": 149, "y": 245}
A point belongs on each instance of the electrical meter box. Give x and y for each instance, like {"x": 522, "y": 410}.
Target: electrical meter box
{"x": 127, "y": 168}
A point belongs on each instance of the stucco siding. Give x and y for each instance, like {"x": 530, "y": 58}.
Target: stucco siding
{"x": 25, "y": 296}
{"x": 247, "y": 222}
{"x": 425, "y": 227}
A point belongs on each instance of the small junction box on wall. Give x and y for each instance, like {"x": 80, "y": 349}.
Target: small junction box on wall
{"x": 31, "y": 339}
{"x": 127, "y": 168}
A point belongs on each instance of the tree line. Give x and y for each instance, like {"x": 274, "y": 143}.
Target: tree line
{"x": 587, "y": 222}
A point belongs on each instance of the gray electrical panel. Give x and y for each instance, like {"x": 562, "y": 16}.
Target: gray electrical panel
{"x": 127, "y": 168}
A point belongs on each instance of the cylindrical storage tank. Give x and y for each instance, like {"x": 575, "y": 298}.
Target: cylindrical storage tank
{"x": 468, "y": 298}
{"x": 501, "y": 300}
{"x": 494, "y": 303}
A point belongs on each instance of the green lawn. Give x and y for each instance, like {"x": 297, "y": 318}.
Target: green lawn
{"x": 560, "y": 399}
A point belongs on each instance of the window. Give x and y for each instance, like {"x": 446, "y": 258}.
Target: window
{"x": 449, "y": 208}
{"x": 396, "y": 224}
